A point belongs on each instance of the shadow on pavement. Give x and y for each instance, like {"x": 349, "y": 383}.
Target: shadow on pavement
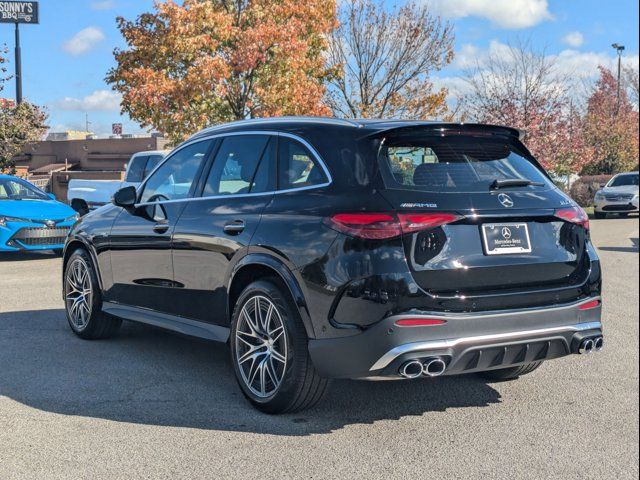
{"x": 149, "y": 376}
{"x": 27, "y": 256}
{"x": 633, "y": 249}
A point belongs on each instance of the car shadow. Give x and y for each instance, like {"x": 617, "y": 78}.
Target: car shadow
{"x": 633, "y": 249}
{"x": 148, "y": 376}
{"x": 27, "y": 256}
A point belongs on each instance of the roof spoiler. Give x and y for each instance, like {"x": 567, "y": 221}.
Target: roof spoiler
{"x": 453, "y": 128}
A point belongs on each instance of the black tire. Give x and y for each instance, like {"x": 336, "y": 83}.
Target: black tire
{"x": 510, "y": 373}
{"x": 300, "y": 386}
{"x": 98, "y": 325}
{"x": 600, "y": 215}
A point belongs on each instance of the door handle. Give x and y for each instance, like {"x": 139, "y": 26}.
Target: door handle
{"x": 161, "y": 227}
{"x": 234, "y": 228}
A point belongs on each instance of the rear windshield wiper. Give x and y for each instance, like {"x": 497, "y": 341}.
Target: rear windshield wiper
{"x": 514, "y": 182}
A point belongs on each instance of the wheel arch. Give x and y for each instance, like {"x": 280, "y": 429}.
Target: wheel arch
{"x": 75, "y": 244}
{"x": 258, "y": 266}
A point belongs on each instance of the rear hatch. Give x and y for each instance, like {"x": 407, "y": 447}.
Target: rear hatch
{"x": 506, "y": 227}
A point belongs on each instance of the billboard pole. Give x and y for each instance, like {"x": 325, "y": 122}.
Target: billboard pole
{"x": 18, "y": 67}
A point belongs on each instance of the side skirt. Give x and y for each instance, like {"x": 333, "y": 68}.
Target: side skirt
{"x": 170, "y": 322}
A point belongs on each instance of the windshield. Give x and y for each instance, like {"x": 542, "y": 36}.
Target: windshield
{"x": 17, "y": 189}
{"x": 624, "y": 181}
{"x": 454, "y": 163}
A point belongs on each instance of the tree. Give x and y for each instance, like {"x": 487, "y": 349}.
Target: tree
{"x": 209, "y": 61}
{"x": 612, "y": 132}
{"x": 19, "y": 125}
{"x": 384, "y": 60}
{"x": 522, "y": 88}
{"x": 632, "y": 81}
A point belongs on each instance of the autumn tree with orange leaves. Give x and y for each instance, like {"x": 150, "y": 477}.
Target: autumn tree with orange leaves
{"x": 211, "y": 61}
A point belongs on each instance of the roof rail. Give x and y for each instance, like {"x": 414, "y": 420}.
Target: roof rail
{"x": 253, "y": 121}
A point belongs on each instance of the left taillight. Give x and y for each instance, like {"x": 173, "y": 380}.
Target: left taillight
{"x": 574, "y": 215}
{"x": 381, "y": 226}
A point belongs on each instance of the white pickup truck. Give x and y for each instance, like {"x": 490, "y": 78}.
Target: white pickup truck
{"x": 86, "y": 195}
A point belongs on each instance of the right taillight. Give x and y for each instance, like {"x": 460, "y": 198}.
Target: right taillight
{"x": 574, "y": 215}
{"x": 380, "y": 226}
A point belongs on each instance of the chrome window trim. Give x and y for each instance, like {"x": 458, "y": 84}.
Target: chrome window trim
{"x": 316, "y": 156}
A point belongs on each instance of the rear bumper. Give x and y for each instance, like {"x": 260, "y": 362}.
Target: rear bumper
{"x": 467, "y": 342}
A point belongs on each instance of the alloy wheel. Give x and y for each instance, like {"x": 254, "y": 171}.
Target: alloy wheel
{"x": 78, "y": 293}
{"x": 261, "y": 346}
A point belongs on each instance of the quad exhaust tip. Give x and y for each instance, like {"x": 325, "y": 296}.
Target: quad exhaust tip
{"x": 411, "y": 369}
{"x": 589, "y": 345}
{"x": 433, "y": 367}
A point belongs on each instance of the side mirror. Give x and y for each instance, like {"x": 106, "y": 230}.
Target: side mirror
{"x": 125, "y": 197}
{"x": 51, "y": 196}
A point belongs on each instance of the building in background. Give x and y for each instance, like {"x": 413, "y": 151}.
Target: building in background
{"x": 50, "y": 164}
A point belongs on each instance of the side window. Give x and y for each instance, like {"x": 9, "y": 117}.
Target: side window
{"x": 173, "y": 180}
{"x": 135, "y": 172}
{"x": 297, "y": 166}
{"x": 154, "y": 161}
{"x": 234, "y": 169}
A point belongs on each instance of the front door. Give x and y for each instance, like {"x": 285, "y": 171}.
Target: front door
{"x": 141, "y": 237}
{"x": 215, "y": 230}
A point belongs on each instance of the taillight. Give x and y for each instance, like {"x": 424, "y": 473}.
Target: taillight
{"x": 574, "y": 215}
{"x": 380, "y": 226}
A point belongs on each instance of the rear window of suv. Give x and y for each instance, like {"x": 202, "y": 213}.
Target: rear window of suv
{"x": 453, "y": 163}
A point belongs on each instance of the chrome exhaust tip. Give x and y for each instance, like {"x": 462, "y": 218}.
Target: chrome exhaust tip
{"x": 598, "y": 344}
{"x": 586, "y": 346}
{"x": 411, "y": 369}
{"x": 434, "y": 367}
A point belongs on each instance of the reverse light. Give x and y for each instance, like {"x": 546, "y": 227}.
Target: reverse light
{"x": 589, "y": 305}
{"x": 419, "y": 322}
{"x": 574, "y": 215}
{"x": 381, "y": 226}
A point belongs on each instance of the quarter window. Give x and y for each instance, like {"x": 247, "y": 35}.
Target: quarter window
{"x": 243, "y": 165}
{"x": 297, "y": 166}
{"x": 174, "y": 179}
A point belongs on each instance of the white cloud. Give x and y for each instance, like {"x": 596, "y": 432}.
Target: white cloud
{"x": 471, "y": 56}
{"x": 84, "y": 41}
{"x": 103, "y": 5}
{"x": 502, "y": 13}
{"x": 100, "y": 100}
{"x": 573, "y": 39}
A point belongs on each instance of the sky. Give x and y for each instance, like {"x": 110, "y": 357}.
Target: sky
{"x": 66, "y": 57}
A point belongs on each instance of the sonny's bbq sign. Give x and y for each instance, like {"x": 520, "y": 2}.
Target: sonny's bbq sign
{"x": 18, "y": 12}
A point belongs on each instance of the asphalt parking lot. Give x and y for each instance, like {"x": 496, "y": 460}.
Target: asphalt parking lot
{"x": 151, "y": 404}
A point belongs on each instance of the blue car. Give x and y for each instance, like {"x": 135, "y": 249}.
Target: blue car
{"x": 30, "y": 219}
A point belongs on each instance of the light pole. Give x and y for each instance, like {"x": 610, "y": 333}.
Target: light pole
{"x": 619, "y": 48}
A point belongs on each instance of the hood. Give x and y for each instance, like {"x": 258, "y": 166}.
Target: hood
{"x": 621, "y": 189}
{"x": 35, "y": 209}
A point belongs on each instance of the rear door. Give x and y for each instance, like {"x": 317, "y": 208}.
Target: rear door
{"x": 216, "y": 229}
{"x": 140, "y": 244}
{"x": 505, "y": 238}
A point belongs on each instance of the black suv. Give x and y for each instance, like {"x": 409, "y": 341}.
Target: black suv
{"x": 324, "y": 248}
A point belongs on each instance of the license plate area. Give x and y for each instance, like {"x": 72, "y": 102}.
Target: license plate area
{"x": 506, "y": 238}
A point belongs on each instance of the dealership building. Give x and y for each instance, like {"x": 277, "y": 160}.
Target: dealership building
{"x": 51, "y": 163}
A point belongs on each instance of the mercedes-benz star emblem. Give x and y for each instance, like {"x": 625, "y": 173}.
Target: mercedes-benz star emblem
{"x": 505, "y": 200}
{"x": 506, "y": 233}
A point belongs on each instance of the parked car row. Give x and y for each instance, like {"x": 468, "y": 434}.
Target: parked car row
{"x": 619, "y": 196}
{"x": 324, "y": 248}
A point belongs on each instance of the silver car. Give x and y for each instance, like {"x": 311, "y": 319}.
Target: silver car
{"x": 619, "y": 196}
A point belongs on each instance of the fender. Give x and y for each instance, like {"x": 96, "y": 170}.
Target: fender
{"x": 285, "y": 274}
